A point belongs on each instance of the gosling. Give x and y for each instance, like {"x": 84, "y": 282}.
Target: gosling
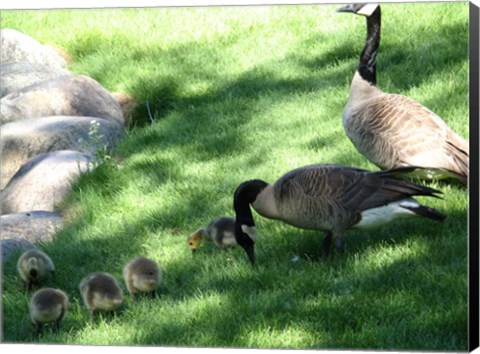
{"x": 33, "y": 266}
{"x": 220, "y": 230}
{"x": 100, "y": 291}
{"x": 48, "y": 305}
{"x": 142, "y": 275}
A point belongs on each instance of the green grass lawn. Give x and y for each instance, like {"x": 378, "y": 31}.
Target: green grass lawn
{"x": 252, "y": 92}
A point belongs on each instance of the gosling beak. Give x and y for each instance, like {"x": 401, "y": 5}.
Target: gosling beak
{"x": 193, "y": 250}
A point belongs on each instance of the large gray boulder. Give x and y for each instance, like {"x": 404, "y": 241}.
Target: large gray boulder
{"x": 33, "y": 226}
{"x": 16, "y": 46}
{"x": 15, "y": 76}
{"x": 44, "y": 181}
{"x": 67, "y": 95}
{"x": 27, "y": 138}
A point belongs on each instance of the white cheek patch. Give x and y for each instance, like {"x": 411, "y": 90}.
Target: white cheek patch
{"x": 367, "y": 10}
{"x": 251, "y": 231}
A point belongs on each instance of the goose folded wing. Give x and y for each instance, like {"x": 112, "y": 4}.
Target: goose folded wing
{"x": 316, "y": 181}
{"x": 371, "y": 190}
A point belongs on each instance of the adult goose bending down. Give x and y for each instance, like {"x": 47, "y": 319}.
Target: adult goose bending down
{"x": 329, "y": 198}
{"x": 393, "y": 130}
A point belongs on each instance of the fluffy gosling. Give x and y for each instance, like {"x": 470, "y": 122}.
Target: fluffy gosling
{"x": 100, "y": 291}
{"x": 220, "y": 230}
{"x": 48, "y": 305}
{"x": 142, "y": 275}
{"x": 33, "y": 265}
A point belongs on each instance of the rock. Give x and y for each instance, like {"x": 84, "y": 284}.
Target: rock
{"x": 67, "y": 95}
{"x": 32, "y": 226}
{"x": 62, "y": 52}
{"x": 15, "y": 76}
{"x": 16, "y": 46}
{"x": 12, "y": 245}
{"x": 27, "y": 138}
{"x": 43, "y": 182}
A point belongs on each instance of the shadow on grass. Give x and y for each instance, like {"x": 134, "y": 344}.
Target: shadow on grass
{"x": 333, "y": 300}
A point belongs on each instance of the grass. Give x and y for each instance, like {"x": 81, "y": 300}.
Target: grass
{"x": 241, "y": 93}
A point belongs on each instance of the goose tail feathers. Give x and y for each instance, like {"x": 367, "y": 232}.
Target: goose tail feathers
{"x": 426, "y": 212}
{"x": 404, "y": 186}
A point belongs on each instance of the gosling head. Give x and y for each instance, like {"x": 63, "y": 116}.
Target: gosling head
{"x": 32, "y": 269}
{"x": 195, "y": 239}
{"x": 245, "y": 231}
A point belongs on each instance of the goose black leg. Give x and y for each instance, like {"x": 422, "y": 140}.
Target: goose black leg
{"x": 339, "y": 244}
{"x": 327, "y": 241}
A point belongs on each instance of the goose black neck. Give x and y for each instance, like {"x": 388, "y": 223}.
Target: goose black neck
{"x": 368, "y": 58}
{"x": 246, "y": 194}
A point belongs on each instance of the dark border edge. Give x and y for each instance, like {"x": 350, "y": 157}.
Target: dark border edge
{"x": 474, "y": 264}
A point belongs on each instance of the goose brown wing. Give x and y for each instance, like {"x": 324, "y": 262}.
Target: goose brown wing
{"x": 374, "y": 189}
{"x": 418, "y": 136}
{"x": 316, "y": 182}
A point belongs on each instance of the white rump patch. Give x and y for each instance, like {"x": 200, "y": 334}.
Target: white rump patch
{"x": 251, "y": 231}
{"x": 387, "y": 213}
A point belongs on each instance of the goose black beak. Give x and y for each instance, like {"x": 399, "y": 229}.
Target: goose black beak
{"x": 348, "y": 8}
{"x": 251, "y": 254}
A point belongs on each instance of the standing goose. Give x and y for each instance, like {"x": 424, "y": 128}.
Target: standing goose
{"x": 329, "y": 198}
{"x": 395, "y": 131}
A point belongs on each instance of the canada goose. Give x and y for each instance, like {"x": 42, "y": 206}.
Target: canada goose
{"x": 329, "y": 198}
{"x": 142, "y": 275}
{"x": 393, "y": 130}
{"x": 48, "y": 305}
{"x": 33, "y": 265}
{"x": 220, "y": 230}
{"x": 100, "y": 291}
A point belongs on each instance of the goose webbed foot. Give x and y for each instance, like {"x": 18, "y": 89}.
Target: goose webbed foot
{"x": 339, "y": 245}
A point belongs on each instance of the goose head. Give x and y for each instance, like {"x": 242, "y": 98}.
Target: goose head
{"x": 245, "y": 232}
{"x": 363, "y": 9}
